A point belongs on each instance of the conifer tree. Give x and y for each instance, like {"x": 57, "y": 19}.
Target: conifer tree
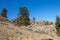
{"x": 4, "y": 13}
{"x": 58, "y": 25}
{"x": 24, "y": 16}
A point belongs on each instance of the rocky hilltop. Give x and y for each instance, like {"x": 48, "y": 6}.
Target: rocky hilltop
{"x": 34, "y": 31}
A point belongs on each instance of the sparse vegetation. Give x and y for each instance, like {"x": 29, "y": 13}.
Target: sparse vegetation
{"x": 30, "y": 32}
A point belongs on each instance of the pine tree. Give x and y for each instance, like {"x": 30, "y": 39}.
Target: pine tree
{"x": 57, "y": 21}
{"x": 4, "y": 13}
{"x": 58, "y": 25}
{"x": 24, "y": 16}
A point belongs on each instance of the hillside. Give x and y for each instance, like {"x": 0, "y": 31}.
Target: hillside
{"x": 8, "y": 31}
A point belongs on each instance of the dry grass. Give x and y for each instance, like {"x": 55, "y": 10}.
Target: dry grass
{"x": 9, "y": 31}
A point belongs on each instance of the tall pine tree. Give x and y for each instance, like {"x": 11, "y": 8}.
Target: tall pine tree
{"x": 4, "y": 13}
{"x": 58, "y": 25}
{"x": 24, "y": 16}
{"x": 57, "y": 21}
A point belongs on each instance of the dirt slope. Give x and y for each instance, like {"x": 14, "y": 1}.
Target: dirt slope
{"x": 8, "y": 31}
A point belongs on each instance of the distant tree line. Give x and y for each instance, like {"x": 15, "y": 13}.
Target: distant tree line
{"x": 23, "y": 16}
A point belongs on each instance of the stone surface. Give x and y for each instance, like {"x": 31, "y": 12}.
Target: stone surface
{"x": 8, "y": 31}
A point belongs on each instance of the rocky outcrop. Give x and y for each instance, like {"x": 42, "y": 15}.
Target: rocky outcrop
{"x": 8, "y": 31}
